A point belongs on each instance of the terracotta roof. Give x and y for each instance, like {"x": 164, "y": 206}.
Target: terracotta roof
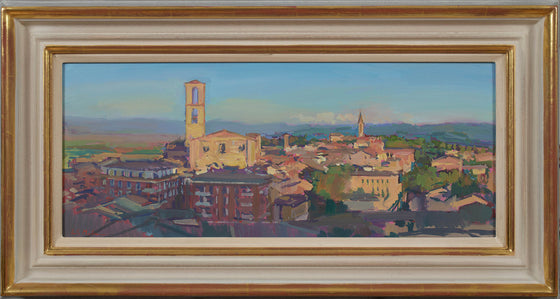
{"x": 223, "y": 133}
{"x": 195, "y": 82}
{"x": 446, "y": 158}
{"x": 401, "y": 151}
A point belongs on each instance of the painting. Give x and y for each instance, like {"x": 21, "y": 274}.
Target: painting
{"x": 279, "y": 149}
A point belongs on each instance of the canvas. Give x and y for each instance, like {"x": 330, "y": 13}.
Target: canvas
{"x": 279, "y": 149}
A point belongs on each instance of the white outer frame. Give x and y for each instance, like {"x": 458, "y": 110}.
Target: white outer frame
{"x": 523, "y": 267}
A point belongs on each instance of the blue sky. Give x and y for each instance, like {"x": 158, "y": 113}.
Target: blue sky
{"x": 294, "y": 93}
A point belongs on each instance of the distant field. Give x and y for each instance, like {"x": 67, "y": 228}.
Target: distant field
{"x": 85, "y": 145}
{"x": 138, "y": 141}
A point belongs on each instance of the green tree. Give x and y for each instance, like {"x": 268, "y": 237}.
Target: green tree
{"x": 421, "y": 180}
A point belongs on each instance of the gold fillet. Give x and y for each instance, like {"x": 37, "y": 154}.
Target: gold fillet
{"x": 285, "y": 12}
{"x": 131, "y": 289}
{"x": 8, "y": 148}
{"x": 508, "y": 51}
{"x": 550, "y": 150}
{"x": 425, "y": 12}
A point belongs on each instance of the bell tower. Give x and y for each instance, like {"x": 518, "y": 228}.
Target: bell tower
{"x": 195, "y": 114}
{"x": 361, "y": 126}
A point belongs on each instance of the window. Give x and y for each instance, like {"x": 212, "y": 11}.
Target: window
{"x": 205, "y": 148}
{"x": 120, "y": 184}
{"x": 222, "y": 148}
{"x": 128, "y": 185}
{"x": 138, "y": 186}
{"x": 195, "y": 95}
{"x": 140, "y": 174}
{"x": 111, "y": 182}
{"x": 194, "y": 116}
{"x": 241, "y": 147}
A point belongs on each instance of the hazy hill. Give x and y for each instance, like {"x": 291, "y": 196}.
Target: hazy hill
{"x": 463, "y": 133}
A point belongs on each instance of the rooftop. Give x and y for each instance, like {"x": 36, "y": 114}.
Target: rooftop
{"x": 222, "y": 133}
{"x": 195, "y": 82}
{"x": 446, "y": 158}
{"x": 292, "y": 200}
{"x": 373, "y": 173}
{"x": 232, "y": 178}
{"x": 142, "y": 165}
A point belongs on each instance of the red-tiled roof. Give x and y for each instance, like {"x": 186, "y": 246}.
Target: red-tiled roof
{"x": 446, "y": 158}
{"x": 400, "y": 151}
{"x": 223, "y": 133}
{"x": 195, "y": 82}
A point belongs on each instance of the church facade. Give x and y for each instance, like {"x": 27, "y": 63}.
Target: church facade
{"x": 218, "y": 149}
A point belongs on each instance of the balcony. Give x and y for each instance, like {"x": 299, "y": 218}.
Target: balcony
{"x": 149, "y": 190}
{"x": 200, "y": 193}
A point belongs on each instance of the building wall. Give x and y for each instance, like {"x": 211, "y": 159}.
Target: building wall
{"x": 382, "y": 186}
{"x": 235, "y": 150}
{"x": 228, "y": 202}
{"x": 254, "y": 149}
{"x": 289, "y": 213}
{"x": 156, "y": 190}
{"x": 194, "y": 130}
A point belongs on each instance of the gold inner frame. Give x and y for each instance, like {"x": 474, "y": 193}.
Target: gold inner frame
{"x": 550, "y": 287}
{"x": 508, "y": 51}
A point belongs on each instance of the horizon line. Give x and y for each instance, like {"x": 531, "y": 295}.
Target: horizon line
{"x": 290, "y": 124}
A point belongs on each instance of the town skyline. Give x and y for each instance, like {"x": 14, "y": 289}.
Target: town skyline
{"x": 224, "y": 182}
{"x": 300, "y": 93}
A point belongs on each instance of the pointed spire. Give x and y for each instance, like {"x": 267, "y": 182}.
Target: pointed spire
{"x": 361, "y": 125}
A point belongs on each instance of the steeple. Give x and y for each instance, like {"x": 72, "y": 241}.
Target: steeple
{"x": 361, "y": 125}
{"x": 195, "y": 115}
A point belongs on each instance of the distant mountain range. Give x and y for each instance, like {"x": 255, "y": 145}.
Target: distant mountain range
{"x": 462, "y": 133}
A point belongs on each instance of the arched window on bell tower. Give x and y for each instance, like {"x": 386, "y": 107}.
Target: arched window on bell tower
{"x": 195, "y": 95}
{"x": 194, "y": 116}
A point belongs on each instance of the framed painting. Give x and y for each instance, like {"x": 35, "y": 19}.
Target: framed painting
{"x": 247, "y": 151}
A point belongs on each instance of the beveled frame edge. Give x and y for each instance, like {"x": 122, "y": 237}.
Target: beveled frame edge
{"x": 549, "y": 288}
{"x": 508, "y": 51}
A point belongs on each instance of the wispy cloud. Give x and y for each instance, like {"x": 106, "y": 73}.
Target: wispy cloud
{"x": 373, "y": 113}
{"x": 267, "y": 111}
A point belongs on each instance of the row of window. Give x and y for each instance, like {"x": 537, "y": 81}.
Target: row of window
{"x": 222, "y": 148}
{"x": 138, "y": 185}
{"x": 378, "y": 181}
{"x": 130, "y": 174}
{"x": 169, "y": 194}
{"x": 225, "y": 190}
